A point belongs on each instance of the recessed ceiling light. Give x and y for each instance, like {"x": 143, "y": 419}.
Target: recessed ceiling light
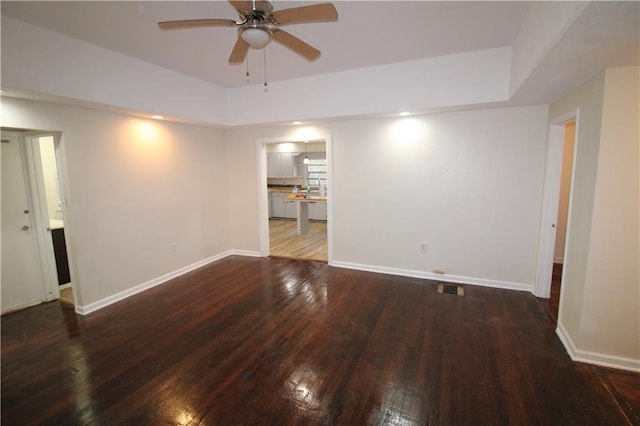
{"x": 297, "y": 123}
{"x": 158, "y": 117}
{"x": 404, "y": 113}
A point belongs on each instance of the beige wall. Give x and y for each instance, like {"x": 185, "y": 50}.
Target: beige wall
{"x": 600, "y": 301}
{"x": 468, "y": 184}
{"x": 135, "y": 186}
{"x": 588, "y": 98}
{"x": 611, "y": 310}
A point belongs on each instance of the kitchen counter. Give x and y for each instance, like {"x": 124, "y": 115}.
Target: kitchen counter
{"x": 304, "y": 199}
{"x": 286, "y": 190}
{"x": 283, "y": 190}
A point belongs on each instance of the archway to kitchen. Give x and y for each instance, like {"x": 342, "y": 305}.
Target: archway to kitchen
{"x": 294, "y": 222}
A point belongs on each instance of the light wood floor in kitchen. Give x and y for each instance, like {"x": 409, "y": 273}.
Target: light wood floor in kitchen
{"x": 284, "y": 241}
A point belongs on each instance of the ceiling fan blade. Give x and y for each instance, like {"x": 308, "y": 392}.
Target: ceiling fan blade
{"x": 239, "y": 51}
{"x": 294, "y": 43}
{"x": 241, "y": 6}
{"x": 196, "y": 23}
{"x": 324, "y": 12}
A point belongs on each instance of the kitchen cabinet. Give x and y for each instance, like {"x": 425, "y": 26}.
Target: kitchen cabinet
{"x": 290, "y": 209}
{"x": 318, "y": 211}
{"x": 279, "y": 207}
{"x": 277, "y": 204}
{"x": 280, "y": 164}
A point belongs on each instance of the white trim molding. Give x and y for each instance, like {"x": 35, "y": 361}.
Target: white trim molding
{"x": 92, "y": 307}
{"x": 247, "y": 253}
{"x": 21, "y": 306}
{"x": 595, "y": 358}
{"x": 506, "y": 285}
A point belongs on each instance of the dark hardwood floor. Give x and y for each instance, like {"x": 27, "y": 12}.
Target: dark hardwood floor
{"x": 278, "y": 341}
{"x": 623, "y": 386}
{"x": 554, "y": 299}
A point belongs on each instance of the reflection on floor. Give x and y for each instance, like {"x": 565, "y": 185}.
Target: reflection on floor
{"x": 66, "y": 295}
{"x": 286, "y": 243}
{"x": 248, "y": 340}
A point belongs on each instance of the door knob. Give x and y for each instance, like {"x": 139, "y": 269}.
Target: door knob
{"x": 25, "y": 228}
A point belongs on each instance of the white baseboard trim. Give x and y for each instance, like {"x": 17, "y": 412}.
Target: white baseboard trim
{"x": 21, "y": 306}
{"x": 603, "y": 360}
{"x": 248, "y": 253}
{"x": 436, "y": 277}
{"x": 92, "y": 307}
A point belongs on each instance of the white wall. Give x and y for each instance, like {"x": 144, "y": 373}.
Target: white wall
{"x": 463, "y": 79}
{"x": 467, "y": 183}
{"x": 80, "y": 71}
{"x": 600, "y": 303}
{"x": 135, "y": 187}
{"x": 543, "y": 27}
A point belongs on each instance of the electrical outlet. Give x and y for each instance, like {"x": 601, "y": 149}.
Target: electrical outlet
{"x": 423, "y": 247}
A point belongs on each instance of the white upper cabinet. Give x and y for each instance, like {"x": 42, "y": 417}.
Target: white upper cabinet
{"x": 280, "y": 164}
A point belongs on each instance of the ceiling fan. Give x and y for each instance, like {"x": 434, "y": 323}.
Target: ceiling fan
{"x": 259, "y": 24}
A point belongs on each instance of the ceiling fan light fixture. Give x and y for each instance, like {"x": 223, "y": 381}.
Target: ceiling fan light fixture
{"x": 256, "y": 37}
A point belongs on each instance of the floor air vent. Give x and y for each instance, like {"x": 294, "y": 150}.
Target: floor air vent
{"x": 450, "y": 289}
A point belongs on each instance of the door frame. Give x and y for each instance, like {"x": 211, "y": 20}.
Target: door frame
{"x": 550, "y": 202}
{"x": 263, "y": 199}
{"x": 37, "y": 194}
{"x": 37, "y": 203}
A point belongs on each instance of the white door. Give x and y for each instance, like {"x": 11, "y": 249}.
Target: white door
{"x": 21, "y": 271}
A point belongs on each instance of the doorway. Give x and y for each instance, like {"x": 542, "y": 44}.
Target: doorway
{"x": 563, "y": 214}
{"x": 33, "y": 244}
{"x": 295, "y": 199}
{"x": 53, "y": 197}
{"x": 555, "y": 225}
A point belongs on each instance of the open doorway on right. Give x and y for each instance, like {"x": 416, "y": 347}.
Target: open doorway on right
{"x": 563, "y": 211}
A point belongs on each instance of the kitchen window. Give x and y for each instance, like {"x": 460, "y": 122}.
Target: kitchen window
{"x": 317, "y": 172}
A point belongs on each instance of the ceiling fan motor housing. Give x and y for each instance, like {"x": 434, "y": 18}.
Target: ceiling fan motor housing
{"x": 261, "y": 11}
{"x": 254, "y": 29}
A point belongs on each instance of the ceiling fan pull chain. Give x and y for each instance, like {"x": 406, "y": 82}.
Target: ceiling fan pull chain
{"x": 265, "y": 70}
{"x": 248, "y": 78}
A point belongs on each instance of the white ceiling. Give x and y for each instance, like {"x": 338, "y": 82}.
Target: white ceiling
{"x": 366, "y": 34}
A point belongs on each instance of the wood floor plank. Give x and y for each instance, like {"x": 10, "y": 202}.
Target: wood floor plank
{"x": 280, "y": 341}
{"x": 285, "y": 242}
